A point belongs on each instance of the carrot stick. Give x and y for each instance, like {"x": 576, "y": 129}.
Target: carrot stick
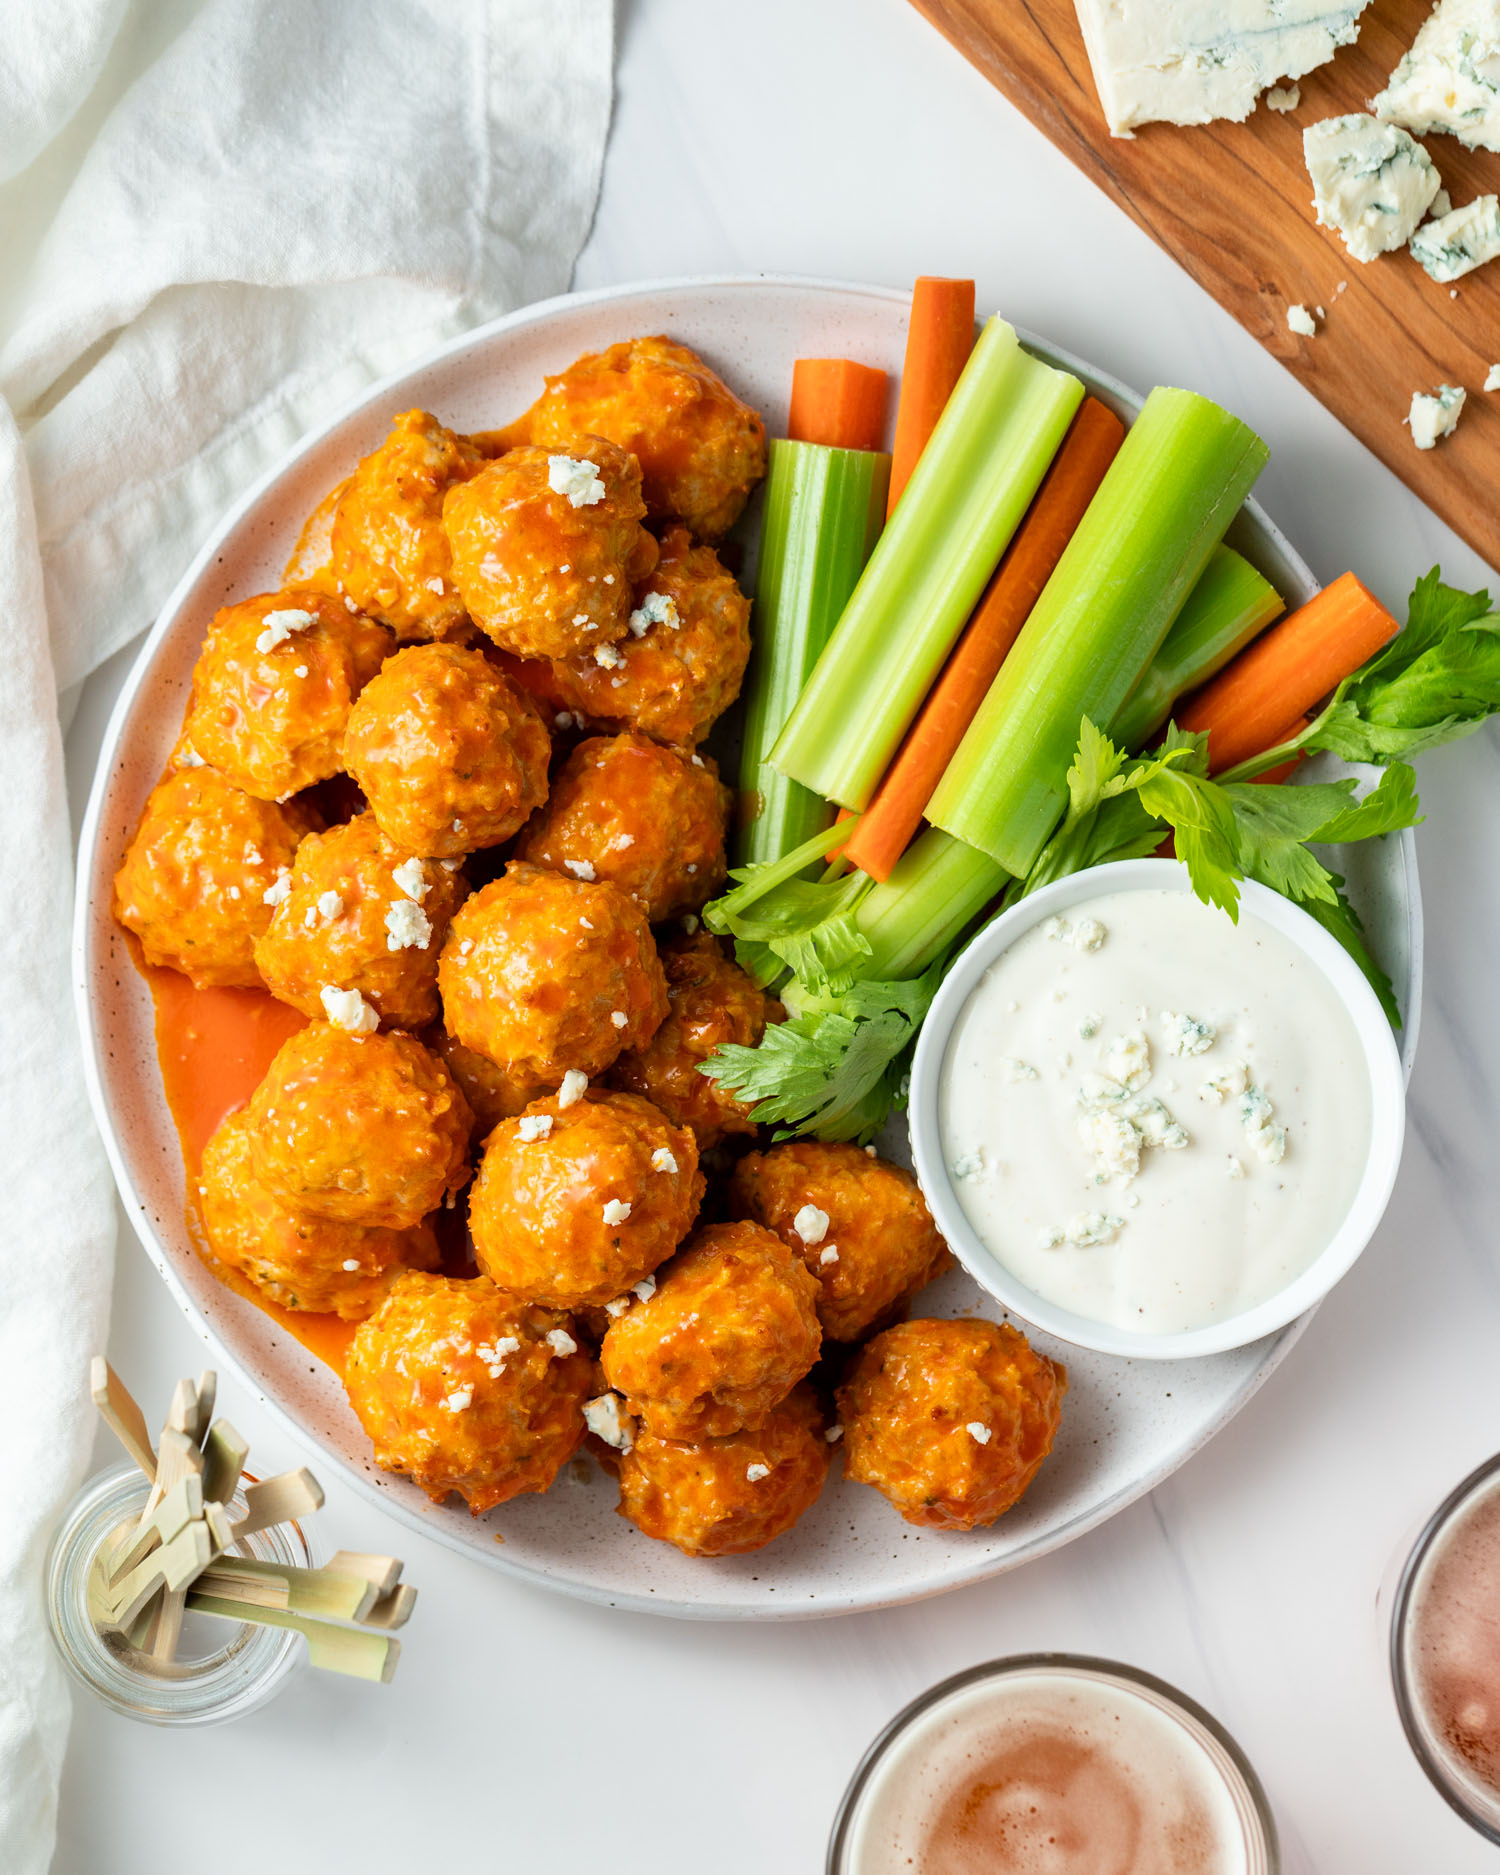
{"x": 837, "y": 403}
{"x": 1285, "y": 734}
{"x": 939, "y": 338}
{"x": 1287, "y": 670}
{"x": 896, "y": 809}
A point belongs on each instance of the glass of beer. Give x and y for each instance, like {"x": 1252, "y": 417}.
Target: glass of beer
{"x": 1055, "y": 1763}
{"x": 1445, "y": 1648}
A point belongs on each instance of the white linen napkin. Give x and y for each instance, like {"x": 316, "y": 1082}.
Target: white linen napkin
{"x": 219, "y": 219}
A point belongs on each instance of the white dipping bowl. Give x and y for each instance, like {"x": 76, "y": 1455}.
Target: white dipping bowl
{"x": 1387, "y": 1107}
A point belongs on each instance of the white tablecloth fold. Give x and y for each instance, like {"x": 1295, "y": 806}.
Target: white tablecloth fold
{"x": 221, "y": 219}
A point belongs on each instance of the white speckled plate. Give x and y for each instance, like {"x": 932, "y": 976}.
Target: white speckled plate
{"x": 1126, "y": 1425}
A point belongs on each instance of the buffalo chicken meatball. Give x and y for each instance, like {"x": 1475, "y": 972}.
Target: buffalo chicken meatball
{"x": 273, "y": 687}
{"x": 681, "y": 664}
{"x": 388, "y": 547}
{"x": 710, "y": 1001}
{"x": 451, "y": 755}
{"x": 700, "y": 449}
{"x": 725, "y": 1497}
{"x": 295, "y": 1259}
{"x": 493, "y": 1093}
{"x": 950, "y": 1419}
{"x": 365, "y": 1129}
{"x": 547, "y": 547}
{"x": 544, "y": 973}
{"x": 860, "y": 1224}
{"x": 645, "y": 818}
{"x": 202, "y": 875}
{"x": 573, "y": 1204}
{"x": 360, "y": 914}
{"x": 464, "y": 1389}
{"x": 729, "y": 1331}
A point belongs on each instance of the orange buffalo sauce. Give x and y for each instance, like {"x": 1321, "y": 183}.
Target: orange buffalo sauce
{"x": 214, "y": 1047}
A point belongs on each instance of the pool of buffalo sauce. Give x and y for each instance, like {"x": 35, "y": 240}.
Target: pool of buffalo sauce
{"x": 214, "y": 1047}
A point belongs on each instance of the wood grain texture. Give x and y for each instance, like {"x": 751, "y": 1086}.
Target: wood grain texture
{"x": 1232, "y": 203}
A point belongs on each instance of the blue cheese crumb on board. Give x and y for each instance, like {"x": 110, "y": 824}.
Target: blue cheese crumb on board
{"x": 1371, "y": 182}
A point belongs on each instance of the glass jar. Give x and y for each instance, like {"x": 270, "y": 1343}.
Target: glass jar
{"x": 1445, "y": 1617}
{"x": 222, "y": 1669}
{"x": 1040, "y": 1749}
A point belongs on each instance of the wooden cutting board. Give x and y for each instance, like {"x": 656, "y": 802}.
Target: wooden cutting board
{"x": 1232, "y": 203}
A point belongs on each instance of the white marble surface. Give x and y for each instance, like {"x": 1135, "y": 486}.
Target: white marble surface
{"x": 528, "y": 1733}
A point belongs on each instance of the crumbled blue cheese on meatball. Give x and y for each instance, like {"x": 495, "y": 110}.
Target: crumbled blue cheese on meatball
{"x": 279, "y": 626}
{"x": 607, "y": 1419}
{"x": 347, "y": 1009}
{"x": 811, "y": 1224}
{"x": 411, "y": 877}
{"x": 407, "y": 926}
{"x": 657, "y": 608}
{"x": 577, "y": 478}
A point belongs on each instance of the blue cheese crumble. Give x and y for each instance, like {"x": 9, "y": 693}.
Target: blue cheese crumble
{"x": 1371, "y": 183}
{"x": 1435, "y": 414}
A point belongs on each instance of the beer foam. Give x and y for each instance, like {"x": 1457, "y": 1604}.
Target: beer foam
{"x": 1452, "y": 1642}
{"x": 1055, "y": 1771}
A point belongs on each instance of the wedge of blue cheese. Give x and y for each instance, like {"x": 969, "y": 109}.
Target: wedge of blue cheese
{"x": 1196, "y": 61}
{"x": 1370, "y": 180}
{"x": 1435, "y": 414}
{"x": 1449, "y": 81}
{"x": 1460, "y": 241}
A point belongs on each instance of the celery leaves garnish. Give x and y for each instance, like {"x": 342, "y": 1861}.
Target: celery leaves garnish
{"x": 1121, "y": 807}
{"x": 837, "y": 1066}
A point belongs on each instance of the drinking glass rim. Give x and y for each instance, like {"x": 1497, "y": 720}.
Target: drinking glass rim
{"x": 1019, "y": 1663}
{"x": 1440, "y": 1780}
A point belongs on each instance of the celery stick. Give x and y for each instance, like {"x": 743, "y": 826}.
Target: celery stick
{"x": 1184, "y": 468}
{"x": 1224, "y": 611}
{"x": 971, "y": 487}
{"x": 935, "y": 888}
{"x": 824, "y": 509}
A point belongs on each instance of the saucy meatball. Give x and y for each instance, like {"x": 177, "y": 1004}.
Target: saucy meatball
{"x": 710, "y": 1001}
{"x": 544, "y": 973}
{"x": 572, "y": 1204}
{"x": 365, "y": 1129}
{"x": 388, "y": 548}
{"x": 649, "y": 820}
{"x": 860, "y": 1224}
{"x": 360, "y": 914}
{"x": 547, "y": 547}
{"x": 700, "y": 449}
{"x": 202, "y": 873}
{"x": 493, "y": 1093}
{"x": 464, "y": 1389}
{"x": 297, "y": 1260}
{"x": 681, "y": 665}
{"x": 273, "y": 686}
{"x": 730, "y": 1330}
{"x": 725, "y": 1497}
{"x": 950, "y": 1419}
{"x": 451, "y": 755}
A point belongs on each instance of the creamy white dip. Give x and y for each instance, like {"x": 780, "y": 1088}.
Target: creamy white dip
{"x": 1152, "y": 1116}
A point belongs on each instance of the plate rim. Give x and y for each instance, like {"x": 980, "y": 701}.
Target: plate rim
{"x": 83, "y": 960}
